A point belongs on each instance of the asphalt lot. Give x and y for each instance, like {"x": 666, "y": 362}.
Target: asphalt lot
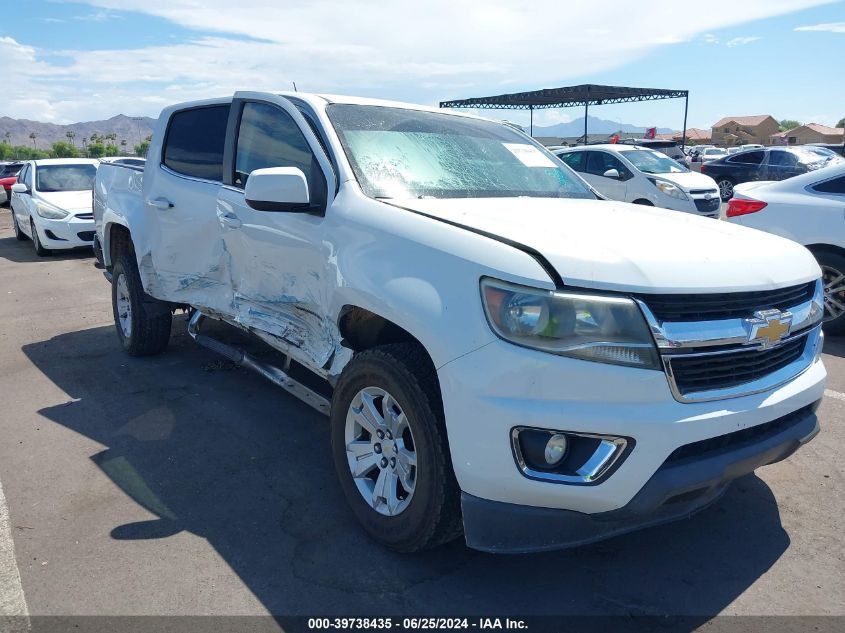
{"x": 181, "y": 485}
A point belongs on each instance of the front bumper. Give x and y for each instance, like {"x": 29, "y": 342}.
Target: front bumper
{"x": 70, "y": 232}
{"x": 691, "y": 478}
{"x": 488, "y": 392}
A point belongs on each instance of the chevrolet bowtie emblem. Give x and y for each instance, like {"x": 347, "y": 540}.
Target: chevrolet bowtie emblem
{"x": 767, "y": 327}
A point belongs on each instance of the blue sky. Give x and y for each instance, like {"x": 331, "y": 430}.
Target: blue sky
{"x": 89, "y": 59}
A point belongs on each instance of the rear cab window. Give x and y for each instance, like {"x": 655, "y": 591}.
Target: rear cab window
{"x": 194, "y": 142}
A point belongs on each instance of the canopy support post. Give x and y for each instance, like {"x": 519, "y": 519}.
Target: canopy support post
{"x": 531, "y": 110}
{"x": 684, "y": 133}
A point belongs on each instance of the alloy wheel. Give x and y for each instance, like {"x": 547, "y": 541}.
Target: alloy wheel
{"x": 124, "y": 306}
{"x": 834, "y": 292}
{"x": 380, "y": 451}
{"x": 726, "y": 189}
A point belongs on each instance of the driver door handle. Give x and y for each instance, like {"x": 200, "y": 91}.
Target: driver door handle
{"x": 160, "y": 203}
{"x": 231, "y": 220}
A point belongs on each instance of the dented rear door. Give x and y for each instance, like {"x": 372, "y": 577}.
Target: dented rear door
{"x": 187, "y": 260}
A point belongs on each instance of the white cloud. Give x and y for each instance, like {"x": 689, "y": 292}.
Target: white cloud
{"x": 422, "y": 51}
{"x": 741, "y": 41}
{"x": 710, "y": 38}
{"x": 832, "y": 27}
{"x": 99, "y": 16}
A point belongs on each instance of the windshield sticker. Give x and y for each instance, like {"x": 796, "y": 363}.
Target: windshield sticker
{"x": 529, "y": 155}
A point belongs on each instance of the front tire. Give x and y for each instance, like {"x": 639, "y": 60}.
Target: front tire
{"x": 833, "y": 278}
{"x": 142, "y": 323}
{"x": 36, "y": 241}
{"x": 726, "y": 188}
{"x": 20, "y": 236}
{"x": 390, "y": 449}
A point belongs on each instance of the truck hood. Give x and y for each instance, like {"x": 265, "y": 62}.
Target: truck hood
{"x": 687, "y": 180}
{"x": 626, "y": 247}
{"x": 68, "y": 200}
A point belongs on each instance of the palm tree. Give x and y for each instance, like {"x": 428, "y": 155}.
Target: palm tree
{"x": 8, "y": 137}
{"x": 33, "y": 136}
{"x": 123, "y": 146}
{"x": 71, "y": 135}
{"x": 94, "y": 138}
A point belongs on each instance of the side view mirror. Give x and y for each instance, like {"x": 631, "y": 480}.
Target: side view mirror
{"x": 612, "y": 173}
{"x": 19, "y": 187}
{"x": 278, "y": 189}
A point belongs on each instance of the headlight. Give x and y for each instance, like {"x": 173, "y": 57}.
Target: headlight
{"x": 606, "y": 329}
{"x": 49, "y": 212}
{"x": 669, "y": 189}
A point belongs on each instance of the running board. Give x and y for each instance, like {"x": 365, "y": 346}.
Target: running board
{"x": 270, "y": 372}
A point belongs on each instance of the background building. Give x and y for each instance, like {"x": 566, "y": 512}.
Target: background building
{"x": 809, "y": 133}
{"x": 741, "y": 130}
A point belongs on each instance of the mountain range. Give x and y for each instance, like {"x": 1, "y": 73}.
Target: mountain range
{"x": 134, "y": 129}
{"x": 130, "y": 129}
{"x": 595, "y": 125}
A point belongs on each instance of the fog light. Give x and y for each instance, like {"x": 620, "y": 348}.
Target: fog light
{"x": 555, "y": 449}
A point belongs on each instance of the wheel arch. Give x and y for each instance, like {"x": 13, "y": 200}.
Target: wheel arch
{"x": 116, "y": 237}
{"x": 825, "y": 248}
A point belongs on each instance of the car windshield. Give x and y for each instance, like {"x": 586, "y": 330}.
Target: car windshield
{"x": 822, "y": 151}
{"x": 51, "y": 178}
{"x": 651, "y": 162}
{"x": 714, "y": 151}
{"x": 403, "y": 153}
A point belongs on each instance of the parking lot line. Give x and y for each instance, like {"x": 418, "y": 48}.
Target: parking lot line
{"x": 12, "y": 602}
{"x": 836, "y": 395}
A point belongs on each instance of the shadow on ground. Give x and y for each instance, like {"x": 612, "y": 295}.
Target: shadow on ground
{"x": 23, "y": 252}
{"x": 214, "y": 450}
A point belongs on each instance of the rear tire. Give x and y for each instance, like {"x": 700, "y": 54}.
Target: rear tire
{"x": 420, "y": 507}
{"x": 36, "y": 241}
{"x": 142, "y": 323}
{"x": 833, "y": 278}
{"x": 726, "y": 188}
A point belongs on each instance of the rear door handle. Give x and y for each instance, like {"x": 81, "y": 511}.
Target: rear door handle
{"x": 160, "y": 203}
{"x": 231, "y": 220}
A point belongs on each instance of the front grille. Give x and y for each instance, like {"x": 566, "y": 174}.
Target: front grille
{"x": 725, "y": 305}
{"x": 701, "y": 192}
{"x": 723, "y": 371}
{"x": 737, "y": 439}
{"x": 707, "y": 206}
{"x": 86, "y": 236}
{"x": 84, "y": 216}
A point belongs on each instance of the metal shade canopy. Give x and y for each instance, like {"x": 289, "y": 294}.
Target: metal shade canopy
{"x": 570, "y": 96}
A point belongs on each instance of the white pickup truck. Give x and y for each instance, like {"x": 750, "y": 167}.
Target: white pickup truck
{"x": 500, "y": 352}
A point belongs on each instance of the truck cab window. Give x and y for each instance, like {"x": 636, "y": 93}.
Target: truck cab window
{"x": 269, "y": 137}
{"x": 194, "y": 142}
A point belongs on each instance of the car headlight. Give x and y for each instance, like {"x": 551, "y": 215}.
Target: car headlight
{"x": 49, "y": 212}
{"x": 669, "y": 189}
{"x": 601, "y": 328}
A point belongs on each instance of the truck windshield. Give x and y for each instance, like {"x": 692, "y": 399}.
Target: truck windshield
{"x": 51, "y": 178}
{"x": 651, "y": 162}
{"x": 403, "y": 153}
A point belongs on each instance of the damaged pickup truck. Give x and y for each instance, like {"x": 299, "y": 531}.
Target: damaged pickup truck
{"x": 501, "y": 353}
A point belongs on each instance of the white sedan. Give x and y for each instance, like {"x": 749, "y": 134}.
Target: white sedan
{"x": 631, "y": 173}
{"x": 809, "y": 209}
{"x": 51, "y": 203}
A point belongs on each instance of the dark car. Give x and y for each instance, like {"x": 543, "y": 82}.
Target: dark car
{"x": 776, "y": 163}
